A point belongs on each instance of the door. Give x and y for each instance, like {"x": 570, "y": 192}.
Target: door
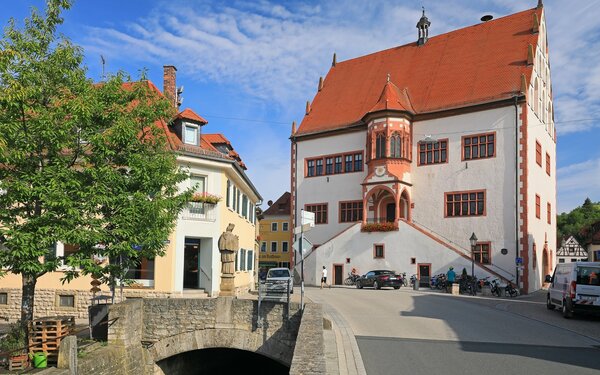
{"x": 390, "y": 212}
{"x": 338, "y": 274}
{"x": 424, "y": 274}
{"x": 191, "y": 263}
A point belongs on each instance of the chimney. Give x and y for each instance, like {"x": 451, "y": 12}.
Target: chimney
{"x": 169, "y": 84}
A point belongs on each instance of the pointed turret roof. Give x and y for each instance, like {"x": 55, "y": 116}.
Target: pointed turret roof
{"x": 392, "y": 98}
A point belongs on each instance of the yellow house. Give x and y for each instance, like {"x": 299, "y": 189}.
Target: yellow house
{"x": 275, "y": 234}
{"x": 192, "y": 263}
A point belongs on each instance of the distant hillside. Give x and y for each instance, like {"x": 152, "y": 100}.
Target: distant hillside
{"x": 572, "y": 223}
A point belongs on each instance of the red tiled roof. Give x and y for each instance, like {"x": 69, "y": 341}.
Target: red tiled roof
{"x": 188, "y": 114}
{"x": 280, "y": 207}
{"x": 476, "y": 64}
{"x": 217, "y": 138}
{"x": 393, "y": 98}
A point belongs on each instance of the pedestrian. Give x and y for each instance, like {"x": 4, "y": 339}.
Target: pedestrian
{"x": 324, "y": 277}
{"x": 450, "y": 278}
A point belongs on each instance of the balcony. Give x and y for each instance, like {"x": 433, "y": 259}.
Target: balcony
{"x": 381, "y": 224}
{"x": 200, "y": 211}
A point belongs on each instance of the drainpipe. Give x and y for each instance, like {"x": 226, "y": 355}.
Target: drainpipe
{"x": 517, "y": 189}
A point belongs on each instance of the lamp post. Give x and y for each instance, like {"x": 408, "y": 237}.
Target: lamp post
{"x": 473, "y": 241}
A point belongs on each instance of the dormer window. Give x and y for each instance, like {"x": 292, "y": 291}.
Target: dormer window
{"x": 190, "y": 134}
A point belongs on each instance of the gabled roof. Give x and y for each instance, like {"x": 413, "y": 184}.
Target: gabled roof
{"x": 477, "y": 64}
{"x": 188, "y": 114}
{"x": 280, "y": 207}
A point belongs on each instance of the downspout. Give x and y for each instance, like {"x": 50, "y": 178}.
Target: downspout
{"x": 517, "y": 191}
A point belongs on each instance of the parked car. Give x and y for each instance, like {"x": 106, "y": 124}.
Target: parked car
{"x": 379, "y": 278}
{"x": 574, "y": 287}
{"x": 279, "y": 279}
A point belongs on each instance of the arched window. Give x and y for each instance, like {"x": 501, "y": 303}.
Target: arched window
{"x": 541, "y": 106}
{"x": 396, "y": 146}
{"x": 380, "y": 146}
{"x": 536, "y": 95}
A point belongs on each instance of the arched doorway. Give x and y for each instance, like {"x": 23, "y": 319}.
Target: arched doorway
{"x": 546, "y": 263}
{"x": 383, "y": 202}
{"x": 404, "y": 206}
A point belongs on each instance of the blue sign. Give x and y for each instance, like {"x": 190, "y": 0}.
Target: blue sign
{"x": 519, "y": 260}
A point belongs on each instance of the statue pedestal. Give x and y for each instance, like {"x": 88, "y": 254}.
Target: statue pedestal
{"x": 227, "y": 285}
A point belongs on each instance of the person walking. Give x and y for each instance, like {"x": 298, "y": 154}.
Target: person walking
{"x": 450, "y": 278}
{"x": 324, "y": 277}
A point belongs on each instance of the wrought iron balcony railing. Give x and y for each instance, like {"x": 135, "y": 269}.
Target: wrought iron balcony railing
{"x": 200, "y": 211}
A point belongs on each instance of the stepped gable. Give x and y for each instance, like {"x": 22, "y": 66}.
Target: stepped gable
{"x": 473, "y": 65}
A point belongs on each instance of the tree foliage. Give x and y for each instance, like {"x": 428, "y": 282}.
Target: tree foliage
{"x": 80, "y": 163}
{"x": 574, "y": 222}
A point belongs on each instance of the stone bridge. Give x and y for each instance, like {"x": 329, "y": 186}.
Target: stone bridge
{"x": 183, "y": 336}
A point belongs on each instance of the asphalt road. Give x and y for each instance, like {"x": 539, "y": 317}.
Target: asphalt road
{"x": 408, "y": 332}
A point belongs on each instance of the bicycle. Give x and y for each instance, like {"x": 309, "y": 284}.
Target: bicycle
{"x": 510, "y": 290}
{"x": 351, "y": 279}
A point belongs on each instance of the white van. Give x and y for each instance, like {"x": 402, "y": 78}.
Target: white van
{"x": 575, "y": 287}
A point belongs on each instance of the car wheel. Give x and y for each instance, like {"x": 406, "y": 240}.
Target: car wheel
{"x": 376, "y": 285}
{"x": 396, "y": 287}
{"x": 549, "y": 304}
{"x": 358, "y": 285}
{"x": 565, "y": 310}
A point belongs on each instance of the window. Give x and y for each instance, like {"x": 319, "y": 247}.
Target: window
{"x": 3, "y": 298}
{"x": 310, "y": 168}
{"x": 561, "y": 260}
{"x": 250, "y": 260}
{"x": 537, "y": 206}
{"x": 245, "y": 206}
{"x": 328, "y": 165}
{"x": 348, "y": 164}
{"x": 549, "y": 212}
{"x": 273, "y": 227}
{"x": 242, "y": 259}
{"x": 228, "y": 199}
{"x": 380, "y": 146}
{"x": 548, "y": 164}
{"x": 538, "y": 153}
{"x": 358, "y": 165}
{"x": 238, "y": 201}
{"x": 285, "y": 227}
{"x": 378, "y": 251}
{"x": 338, "y": 164}
{"x": 319, "y": 167}
{"x": 320, "y": 211}
{"x": 534, "y": 253}
{"x": 479, "y": 146}
{"x": 395, "y": 146}
{"x": 284, "y": 247}
{"x": 481, "y": 252}
{"x": 274, "y": 246}
{"x": 233, "y": 198}
{"x": 468, "y": 203}
{"x": 65, "y": 300}
{"x": 433, "y": 152}
{"x": 191, "y": 135}
{"x": 351, "y": 211}
{"x": 263, "y": 247}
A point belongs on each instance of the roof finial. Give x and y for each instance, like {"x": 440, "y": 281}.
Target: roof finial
{"x": 388, "y": 77}
{"x": 423, "y": 26}
{"x": 540, "y": 4}
{"x": 293, "y": 127}
{"x": 334, "y": 60}
{"x": 320, "y": 83}
{"x": 307, "y": 107}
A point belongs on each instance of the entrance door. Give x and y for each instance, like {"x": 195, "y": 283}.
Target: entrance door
{"x": 390, "y": 212}
{"x": 338, "y": 274}
{"x": 424, "y": 274}
{"x": 191, "y": 263}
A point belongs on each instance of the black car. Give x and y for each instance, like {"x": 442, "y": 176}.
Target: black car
{"x": 380, "y": 278}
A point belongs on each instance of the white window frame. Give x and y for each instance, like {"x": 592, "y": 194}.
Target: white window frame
{"x": 284, "y": 247}
{"x": 285, "y": 226}
{"x": 274, "y": 225}
{"x": 273, "y": 242}
{"x": 196, "y": 130}
{"x": 263, "y": 247}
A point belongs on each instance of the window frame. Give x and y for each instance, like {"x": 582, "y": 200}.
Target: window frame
{"x": 538, "y": 207}
{"x": 549, "y": 212}
{"x": 196, "y": 130}
{"x": 285, "y": 226}
{"x": 375, "y": 247}
{"x": 380, "y": 145}
{"x": 274, "y": 226}
{"x": 59, "y": 299}
{"x": 273, "y": 243}
{"x": 343, "y": 211}
{"x": 478, "y": 252}
{"x": 469, "y": 200}
{"x": 346, "y": 162}
{"x": 325, "y": 211}
{"x": 263, "y": 246}
{"x": 432, "y": 151}
{"x": 548, "y": 166}
{"x": 538, "y": 153}
{"x": 285, "y": 246}
{"x": 470, "y": 137}
{"x": 395, "y": 145}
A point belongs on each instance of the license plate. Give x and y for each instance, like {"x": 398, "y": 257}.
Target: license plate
{"x": 392, "y": 278}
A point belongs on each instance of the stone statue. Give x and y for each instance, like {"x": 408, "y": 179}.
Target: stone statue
{"x": 229, "y": 245}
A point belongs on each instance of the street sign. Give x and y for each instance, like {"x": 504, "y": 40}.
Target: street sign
{"x": 303, "y": 228}
{"x": 306, "y": 245}
{"x": 519, "y": 261}
{"x": 308, "y": 217}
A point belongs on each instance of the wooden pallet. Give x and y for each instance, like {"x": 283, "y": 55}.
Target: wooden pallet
{"x": 18, "y": 363}
{"x": 45, "y": 335}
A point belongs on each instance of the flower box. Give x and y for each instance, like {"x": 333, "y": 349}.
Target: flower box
{"x": 205, "y": 198}
{"x": 379, "y": 227}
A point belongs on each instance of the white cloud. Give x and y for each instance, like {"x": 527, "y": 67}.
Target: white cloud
{"x": 576, "y": 182}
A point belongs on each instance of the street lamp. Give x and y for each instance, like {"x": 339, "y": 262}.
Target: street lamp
{"x": 473, "y": 241}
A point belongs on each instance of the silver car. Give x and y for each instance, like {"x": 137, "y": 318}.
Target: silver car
{"x": 278, "y": 280}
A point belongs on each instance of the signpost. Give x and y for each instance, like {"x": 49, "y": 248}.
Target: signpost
{"x": 307, "y": 221}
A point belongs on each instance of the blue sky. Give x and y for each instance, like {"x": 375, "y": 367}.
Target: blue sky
{"x": 249, "y": 67}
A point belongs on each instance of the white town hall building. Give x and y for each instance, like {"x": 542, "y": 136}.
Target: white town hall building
{"x": 405, "y": 153}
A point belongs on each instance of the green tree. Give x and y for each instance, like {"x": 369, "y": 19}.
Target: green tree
{"x": 81, "y": 163}
{"x": 572, "y": 223}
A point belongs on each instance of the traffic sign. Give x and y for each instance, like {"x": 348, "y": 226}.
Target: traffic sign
{"x": 519, "y": 261}
{"x": 303, "y": 228}
{"x": 307, "y": 217}
{"x": 306, "y": 245}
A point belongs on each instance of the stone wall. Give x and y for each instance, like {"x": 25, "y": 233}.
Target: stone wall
{"x": 46, "y": 301}
{"x": 309, "y": 350}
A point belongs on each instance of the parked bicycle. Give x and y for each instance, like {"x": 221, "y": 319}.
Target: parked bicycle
{"x": 510, "y": 290}
{"x": 495, "y": 287}
{"x": 351, "y": 279}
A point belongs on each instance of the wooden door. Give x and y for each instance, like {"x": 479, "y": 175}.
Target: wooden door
{"x": 338, "y": 274}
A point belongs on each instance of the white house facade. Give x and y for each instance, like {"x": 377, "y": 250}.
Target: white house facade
{"x": 405, "y": 153}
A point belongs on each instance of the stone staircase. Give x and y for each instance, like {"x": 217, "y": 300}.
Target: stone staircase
{"x": 191, "y": 293}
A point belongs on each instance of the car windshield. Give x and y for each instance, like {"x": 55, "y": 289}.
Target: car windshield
{"x": 385, "y": 272}
{"x": 588, "y": 275}
{"x": 278, "y": 273}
